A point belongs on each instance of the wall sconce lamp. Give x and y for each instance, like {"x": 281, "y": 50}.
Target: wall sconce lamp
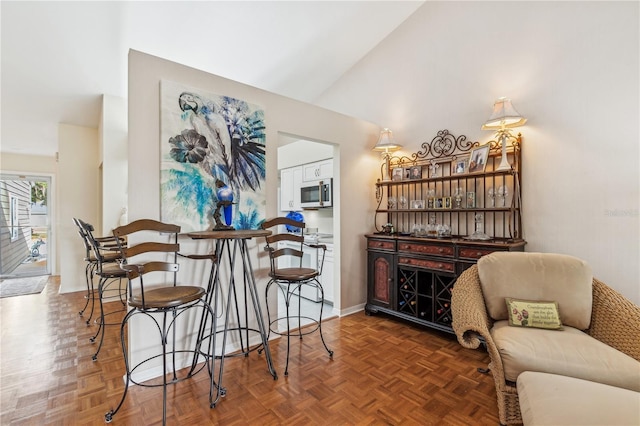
{"x": 503, "y": 118}
{"x": 386, "y": 144}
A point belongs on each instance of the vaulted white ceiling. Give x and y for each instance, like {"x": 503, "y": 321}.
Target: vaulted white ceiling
{"x": 58, "y": 58}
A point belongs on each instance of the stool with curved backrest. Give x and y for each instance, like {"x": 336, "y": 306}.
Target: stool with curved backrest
{"x": 287, "y": 272}
{"x": 108, "y": 249}
{"x": 110, "y": 275}
{"x": 88, "y": 271}
{"x": 152, "y": 255}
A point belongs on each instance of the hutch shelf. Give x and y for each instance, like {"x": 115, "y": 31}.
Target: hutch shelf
{"x": 441, "y": 213}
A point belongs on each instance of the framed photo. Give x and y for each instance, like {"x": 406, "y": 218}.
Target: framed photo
{"x": 438, "y": 202}
{"x": 407, "y": 173}
{"x": 460, "y": 166}
{"x": 478, "y": 159}
{"x": 471, "y": 200}
{"x": 417, "y": 204}
{"x": 431, "y": 202}
{"x": 397, "y": 173}
{"x": 415, "y": 172}
{"x": 446, "y": 202}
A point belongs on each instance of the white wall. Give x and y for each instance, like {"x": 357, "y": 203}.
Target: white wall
{"x": 301, "y": 152}
{"x": 77, "y": 196}
{"x": 113, "y": 159}
{"x": 572, "y": 68}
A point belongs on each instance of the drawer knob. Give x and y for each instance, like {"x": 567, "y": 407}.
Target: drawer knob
{"x": 441, "y": 250}
{"x": 479, "y": 254}
{"x": 440, "y": 265}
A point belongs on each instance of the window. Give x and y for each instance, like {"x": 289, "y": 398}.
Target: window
{"x": 13, "y": 206}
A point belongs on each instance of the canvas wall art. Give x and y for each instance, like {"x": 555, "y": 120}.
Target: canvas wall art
{"x": 208, "y": 141}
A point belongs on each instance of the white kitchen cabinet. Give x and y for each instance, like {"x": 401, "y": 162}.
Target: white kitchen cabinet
{"x": 290, "y": 180}
{"x": 311, "y": 259}
{"x": 318, "y": 170}
{"x": 326, "y": 279}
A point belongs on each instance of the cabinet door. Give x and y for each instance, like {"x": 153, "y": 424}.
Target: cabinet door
{"x": 326, "y": 279}
{"x": 290, "y": 181}
{"x": 381, "y": 282}
{"x": 318, "y": 170}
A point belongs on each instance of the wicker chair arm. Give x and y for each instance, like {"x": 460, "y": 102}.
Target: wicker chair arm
{"x": 470, "y": 318}
{"x": 615, "y": 320}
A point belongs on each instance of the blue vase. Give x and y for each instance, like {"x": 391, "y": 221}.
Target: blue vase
{"x": 225, "y": 193}
{"x": 298, "y": 217}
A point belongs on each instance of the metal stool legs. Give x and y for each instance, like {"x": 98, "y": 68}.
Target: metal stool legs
{"x": 166, "y": 327}
{"x": 101, "y": 321}
{"x": 289, "y": 290}
{"x": 88, "y": 274}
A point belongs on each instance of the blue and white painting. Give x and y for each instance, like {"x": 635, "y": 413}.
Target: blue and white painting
{"x": 207, "y": 138}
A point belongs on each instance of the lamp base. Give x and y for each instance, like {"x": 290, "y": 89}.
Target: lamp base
{"x": 504, "y": 164}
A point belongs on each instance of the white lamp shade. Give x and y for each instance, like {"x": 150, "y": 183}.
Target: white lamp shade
{"x": 386, "y": 142}
{"x": 503, "y": 115}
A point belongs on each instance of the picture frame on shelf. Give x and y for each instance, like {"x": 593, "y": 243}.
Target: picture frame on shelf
{"x": 417, "y": 204}
{"x": 397, "y": 173}
{"x": 460, "y": 166}
{"x": 471, "y": 200}
{"x": 431, "y": 202}
{"x": 478, "y": 159}
{"x": 446, "y": 202}
{"x": 415, "y": 172}
{"x": 438, "y": 202}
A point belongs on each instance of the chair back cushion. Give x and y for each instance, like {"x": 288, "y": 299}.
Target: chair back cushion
{"x": 564, "y": 279}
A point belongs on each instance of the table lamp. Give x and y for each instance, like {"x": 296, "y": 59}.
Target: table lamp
{"x": 503, "y": 118}
{"x": 386, "y": 145}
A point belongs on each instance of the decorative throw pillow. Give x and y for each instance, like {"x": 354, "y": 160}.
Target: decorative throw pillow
{"x": 533, "y": 313}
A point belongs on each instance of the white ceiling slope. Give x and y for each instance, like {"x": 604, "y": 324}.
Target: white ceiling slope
{"x": 58, "y": 58}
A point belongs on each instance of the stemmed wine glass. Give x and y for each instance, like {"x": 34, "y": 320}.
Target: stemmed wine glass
{"x": 503, "y": 192}
{"x": 491, "y": 193}
{"x": 458, "y": 194}
{"x": 391, "y": 202}
{"x": 403, "y": 202}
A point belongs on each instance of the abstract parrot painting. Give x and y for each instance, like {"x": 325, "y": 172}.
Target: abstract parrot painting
{"x": 208, "y": 140}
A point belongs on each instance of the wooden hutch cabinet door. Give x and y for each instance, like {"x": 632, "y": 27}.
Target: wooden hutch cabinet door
{"x": 381, "y": 286}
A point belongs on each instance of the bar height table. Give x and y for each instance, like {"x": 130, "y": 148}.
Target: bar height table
{"x": 227, "y": 245}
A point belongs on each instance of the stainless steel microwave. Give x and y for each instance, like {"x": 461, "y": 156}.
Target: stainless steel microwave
{"x": 316, "y": 194}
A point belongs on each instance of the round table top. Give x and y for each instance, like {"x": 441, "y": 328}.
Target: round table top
{"x": 232, "y": 234}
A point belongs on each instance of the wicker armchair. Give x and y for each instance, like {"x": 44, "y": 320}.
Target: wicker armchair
{"x": 614, "y": 321}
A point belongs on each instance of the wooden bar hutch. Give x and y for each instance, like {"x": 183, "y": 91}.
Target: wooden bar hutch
{"x": 442, "y": 214}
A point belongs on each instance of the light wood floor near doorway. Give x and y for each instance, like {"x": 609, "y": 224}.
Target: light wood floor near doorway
{"x": 384, "y": 372}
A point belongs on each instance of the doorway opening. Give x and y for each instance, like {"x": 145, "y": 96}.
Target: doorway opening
{"x": 25, "y": 226}
{"x": 296, "y": 155}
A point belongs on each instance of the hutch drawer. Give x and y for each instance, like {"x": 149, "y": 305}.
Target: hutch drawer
{"x": 427, "y": 249}
{"x": 381, "y": 244}
{"x": 427, "y": 263}
{"x": 474, "y": 253}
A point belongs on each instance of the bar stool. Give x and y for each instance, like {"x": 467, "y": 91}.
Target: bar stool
{"x": 290, "y": 278}
{"x": 164, "y": 303}
{"x": 110, "y": 275}
{"x": 108, "y": 249}
{"x": 88, "y": 271}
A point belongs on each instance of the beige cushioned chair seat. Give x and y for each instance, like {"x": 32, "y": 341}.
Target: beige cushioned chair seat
{"x": 568, "y": 352}
{"x": 538, "y": 276}
{"x": 549, "y": 399}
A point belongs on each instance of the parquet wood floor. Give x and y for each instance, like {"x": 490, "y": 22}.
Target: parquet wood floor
{"x": 384, "y": 372}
